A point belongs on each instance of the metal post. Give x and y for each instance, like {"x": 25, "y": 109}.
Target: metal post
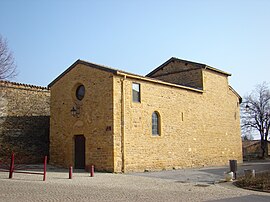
{"x": 92, "y": 171}
{"x": 70, "y": 172}
{"x": 45, "y": 168}
{"x": 11, "y": 168}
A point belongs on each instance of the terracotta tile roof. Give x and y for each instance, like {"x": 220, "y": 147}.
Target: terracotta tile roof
{"x": 13, "y": 84}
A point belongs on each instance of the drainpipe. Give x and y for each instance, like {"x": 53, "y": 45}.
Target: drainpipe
{"x": 123, "y": 122}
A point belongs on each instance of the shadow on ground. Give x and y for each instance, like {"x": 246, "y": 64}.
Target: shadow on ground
{"x": 210, "y": 175}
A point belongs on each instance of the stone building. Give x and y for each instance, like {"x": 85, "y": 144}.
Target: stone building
{"x": 24, "y": 122}
{"x": 252, "y": 149}
{"x": 182, "y": 114}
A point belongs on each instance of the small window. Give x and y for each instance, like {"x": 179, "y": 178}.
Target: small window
{"x": 80, "y": 91}
{"x": 155, "y": 124}
{"x": 136, "y": 92}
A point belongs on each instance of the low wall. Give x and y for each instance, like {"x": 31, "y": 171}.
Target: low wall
{"x": 24, "y": 122}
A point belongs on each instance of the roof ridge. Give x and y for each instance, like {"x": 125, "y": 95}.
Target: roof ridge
{"x": 198, "y": 63}
{"x": 94, "y": 65}
{"x": 104, "y": 66}
{"x": 187, "y": 61}
{"x": 167, "y": 62}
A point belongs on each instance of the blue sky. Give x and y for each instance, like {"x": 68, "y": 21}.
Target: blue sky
{"x": 137, "y": 36}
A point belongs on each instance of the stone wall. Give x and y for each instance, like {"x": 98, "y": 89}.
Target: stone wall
{"x": 197, "y": 128}
{"x": 94, "y": 122}
{"x": 24, "y": 122}
{"x": 182, "y": 73}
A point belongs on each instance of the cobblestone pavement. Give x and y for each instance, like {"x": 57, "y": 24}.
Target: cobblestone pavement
{"x": 115, "y": 187}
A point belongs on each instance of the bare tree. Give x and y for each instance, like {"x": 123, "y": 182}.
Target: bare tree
{"x": 255, "y": 113}
{"x": 7, "y": 62}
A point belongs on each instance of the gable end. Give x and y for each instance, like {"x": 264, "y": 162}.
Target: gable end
{"x": 89, "y": 64}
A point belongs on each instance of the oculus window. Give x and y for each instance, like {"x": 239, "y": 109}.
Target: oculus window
{"x": 155, "y": 124}
{"x": 136, "y": 92}
{"x": 80, "y": 92}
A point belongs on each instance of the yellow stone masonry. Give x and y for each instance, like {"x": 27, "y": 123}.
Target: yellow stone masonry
{"x": 96, "y": 113}
{"x": 198, "y": 127}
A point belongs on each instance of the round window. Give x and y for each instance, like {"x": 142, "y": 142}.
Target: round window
{"x": 80, "y": 92}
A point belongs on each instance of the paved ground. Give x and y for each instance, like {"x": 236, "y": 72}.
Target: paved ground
{"x": 193, "y": 185}
{"x": 210, "y": 175}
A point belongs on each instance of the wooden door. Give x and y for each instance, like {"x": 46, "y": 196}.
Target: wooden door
{"x": 79, "y": 151}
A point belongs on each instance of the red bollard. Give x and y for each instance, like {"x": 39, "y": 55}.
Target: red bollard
{"x": 70, "y": 172}
{"x": 11, "y": 168}
{"x": 92, "y": 171}
{"x": 45, "y": 168}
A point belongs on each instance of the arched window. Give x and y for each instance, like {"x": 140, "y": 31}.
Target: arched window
{"x": 155, "y": 123}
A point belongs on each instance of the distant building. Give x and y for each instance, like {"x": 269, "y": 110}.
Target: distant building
{"x": 252, "y": 149}
{"x": 182, "y": 114}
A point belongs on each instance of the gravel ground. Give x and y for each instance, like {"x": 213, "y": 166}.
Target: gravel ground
{"x": 114, "y": 187}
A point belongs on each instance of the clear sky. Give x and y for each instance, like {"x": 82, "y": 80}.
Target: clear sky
{"x": 137, "y": 36}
